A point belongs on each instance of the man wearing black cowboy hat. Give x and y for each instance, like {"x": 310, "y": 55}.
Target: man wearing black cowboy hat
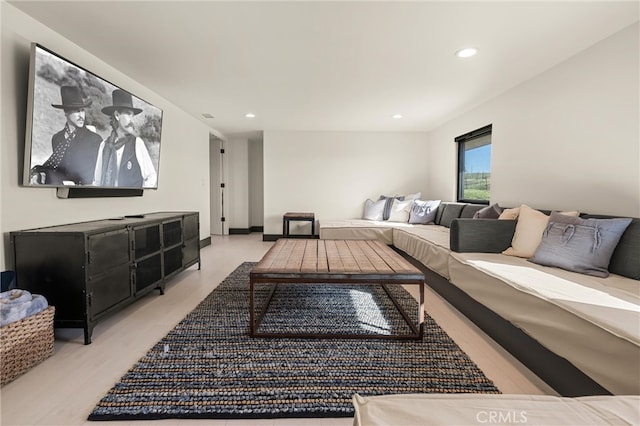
{"x": 75, "y": 148}
{"x": 123, "y": 159}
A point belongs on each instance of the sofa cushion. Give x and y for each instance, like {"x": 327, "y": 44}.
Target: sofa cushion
{"x": 528, "y": 233}
{"x": 358, "y": 229}
{"x": 450, "y": 211}
{"x": 423, "y": 212}
{"x": 466, "y": 409}
{"x": 427, "y": 243}
{"x": 373, "y": 209}
{"x": 593, "y": 322}
{"x": 580, "y": 245}
{"x": 490, "y": 212}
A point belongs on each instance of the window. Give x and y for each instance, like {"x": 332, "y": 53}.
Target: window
{"x": 474, "y": 166}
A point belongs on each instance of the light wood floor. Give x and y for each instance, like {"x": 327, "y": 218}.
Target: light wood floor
{"x": 64, "y": 388}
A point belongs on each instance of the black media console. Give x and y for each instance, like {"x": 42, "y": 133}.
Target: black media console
{"x": 89, "y": 270}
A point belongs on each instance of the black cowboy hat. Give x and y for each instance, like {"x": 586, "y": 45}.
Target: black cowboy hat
{"x": 121, "y": 100}
{"x": 72, "y": 98}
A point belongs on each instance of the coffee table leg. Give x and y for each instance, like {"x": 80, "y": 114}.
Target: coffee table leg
{"x": 254, "y": 323}
{"x": 418, "y": 331}
{"x": 421, "y": 310}
{"x": 252, "y": 326}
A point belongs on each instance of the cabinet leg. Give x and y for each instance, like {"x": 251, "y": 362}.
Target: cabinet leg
{"x": 161, "y": 288}
{"x": 88, "y": 331}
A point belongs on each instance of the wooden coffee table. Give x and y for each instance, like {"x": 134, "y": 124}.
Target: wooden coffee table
{"x": 334, "y": 262}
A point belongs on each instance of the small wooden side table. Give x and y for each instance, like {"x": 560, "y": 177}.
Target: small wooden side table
{"x": 305, "y": 217}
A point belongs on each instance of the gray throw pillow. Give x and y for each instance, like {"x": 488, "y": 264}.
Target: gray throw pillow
{"x": 490, "y": 212}
{"x": 624, "y": 260}
{"x": 423, "y": 212}
{"x": 580, "y": 245}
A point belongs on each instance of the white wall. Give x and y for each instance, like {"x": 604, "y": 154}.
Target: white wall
{"x": 184, "y": 160}
{"x": 567, "y": 139}
{"x": 332, "y": 173}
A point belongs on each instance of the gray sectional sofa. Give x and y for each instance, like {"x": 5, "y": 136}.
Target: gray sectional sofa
{"x": 579, "y": 333}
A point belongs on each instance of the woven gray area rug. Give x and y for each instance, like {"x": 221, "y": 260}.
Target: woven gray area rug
{"x": 209, "y": 367}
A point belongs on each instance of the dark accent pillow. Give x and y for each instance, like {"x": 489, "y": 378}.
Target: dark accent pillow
{"x": 580, "y": 245}
{"x": 423, "y": 212}
{"x": 490, "y": 212}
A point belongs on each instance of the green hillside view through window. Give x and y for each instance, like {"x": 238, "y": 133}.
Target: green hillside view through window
{"x": 474, "y": 166}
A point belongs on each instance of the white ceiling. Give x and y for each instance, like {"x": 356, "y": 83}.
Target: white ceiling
{"x": 307, "y": 65}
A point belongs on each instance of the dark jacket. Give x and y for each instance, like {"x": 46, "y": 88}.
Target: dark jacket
{"x": 79, "y": 161}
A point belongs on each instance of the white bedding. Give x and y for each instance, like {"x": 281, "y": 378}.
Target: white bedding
{"x": 478, "y": 409}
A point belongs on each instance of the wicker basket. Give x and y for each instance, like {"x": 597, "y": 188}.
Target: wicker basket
{"x": 25, "y": 343}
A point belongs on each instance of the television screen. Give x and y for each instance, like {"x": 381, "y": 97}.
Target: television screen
{"x": 83, "y": 131}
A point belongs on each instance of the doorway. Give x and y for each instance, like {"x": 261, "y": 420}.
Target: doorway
{"x": 218, "y": 174}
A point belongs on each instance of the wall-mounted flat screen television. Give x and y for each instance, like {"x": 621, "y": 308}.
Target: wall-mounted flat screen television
{"x": 83, "y": 131}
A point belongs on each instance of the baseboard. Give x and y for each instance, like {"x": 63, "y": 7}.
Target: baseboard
{"x": 555, "y": 370}
{"x": 205, "y": 242}
{"x": 245, "y": 231}
{"x": 276, "y": 237}
{"x": 239, "y": 231}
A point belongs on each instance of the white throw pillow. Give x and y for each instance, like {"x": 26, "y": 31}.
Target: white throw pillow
{"x": 373, "y": 209}
{"x": 424, "y": 212}
{"x": 528, "y": 234}
{"x": 400, "y": 211}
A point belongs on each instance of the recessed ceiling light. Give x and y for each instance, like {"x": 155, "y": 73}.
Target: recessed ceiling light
{"x": 250, "y": 115}
{"x": 466, "y": 52}
{"x": 207, "y": 115}
{"x": 396, "y": 116}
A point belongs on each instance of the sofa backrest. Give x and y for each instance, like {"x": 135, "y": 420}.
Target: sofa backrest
{"x": 448, "y": 211}
{"x": 625, "y": 260}
{"x": 470, "y": 209}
